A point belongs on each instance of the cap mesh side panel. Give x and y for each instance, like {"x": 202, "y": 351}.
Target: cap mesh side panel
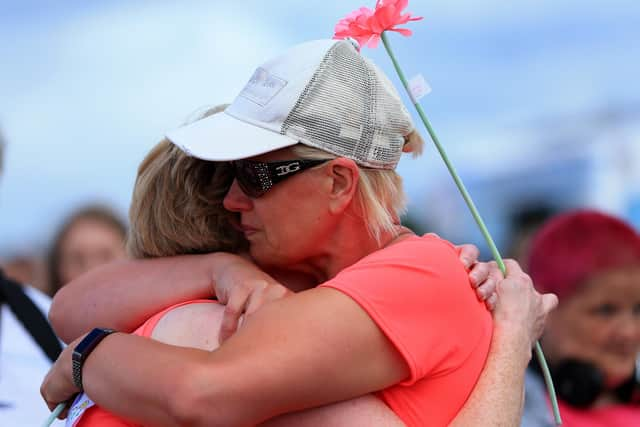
{"x": 350, "y": 109}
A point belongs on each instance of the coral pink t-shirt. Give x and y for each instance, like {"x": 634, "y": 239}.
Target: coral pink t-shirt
{"x": 418, "y": 293}
{"x": 95, "y": 416}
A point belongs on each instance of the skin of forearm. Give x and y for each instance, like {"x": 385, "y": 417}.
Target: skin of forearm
{"x": 152, "y": 391}
{"x": 202, "y": 323}
{"x": 97, "y": 298}
{"x": 256, "y": 375}
{"x": 493, "y": 402}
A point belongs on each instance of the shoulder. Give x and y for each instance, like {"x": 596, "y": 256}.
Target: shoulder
{"x": 428, "y": 251}
{"x": 418, "y": 293}
{"x": 415, "y": 246}
{"x": 419, "y": 263}
{"x": 195, "y": 324}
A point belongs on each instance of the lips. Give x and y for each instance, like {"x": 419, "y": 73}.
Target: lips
{"x": 247, "y": 229}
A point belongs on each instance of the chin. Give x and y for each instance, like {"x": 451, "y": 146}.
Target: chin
{"x": 619, "y": 375}
{"x": 264, "y": 258}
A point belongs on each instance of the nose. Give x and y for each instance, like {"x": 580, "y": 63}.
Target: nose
{"x": 236, "y": 200}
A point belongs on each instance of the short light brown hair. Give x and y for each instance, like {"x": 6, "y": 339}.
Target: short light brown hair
{"x": 176, "y": 206}
{"x": 380, "y": 196}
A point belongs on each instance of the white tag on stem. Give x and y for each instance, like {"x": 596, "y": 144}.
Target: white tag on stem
{"x": 418, "y": 87}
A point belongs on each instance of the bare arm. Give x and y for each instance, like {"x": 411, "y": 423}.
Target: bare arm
{"x": 124, "y": 294}
{"x": 497, "y": 398}
{"x": 366, "y": 410}
{"x": 278, "y": 362}
{"x": 197, "y": 326}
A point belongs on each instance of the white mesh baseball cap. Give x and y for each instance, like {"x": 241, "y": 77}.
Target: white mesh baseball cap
{"x": 323, "y": 94}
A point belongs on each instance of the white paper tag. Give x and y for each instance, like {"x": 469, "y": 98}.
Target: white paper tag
{"x": 418, "y": 87}
{"x": 81, "y": 404}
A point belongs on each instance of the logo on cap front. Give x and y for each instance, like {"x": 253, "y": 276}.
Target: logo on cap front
{"x": 262, "y": 87}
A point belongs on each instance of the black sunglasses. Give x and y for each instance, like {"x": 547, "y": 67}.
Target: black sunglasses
{"x": 256, "y": 178}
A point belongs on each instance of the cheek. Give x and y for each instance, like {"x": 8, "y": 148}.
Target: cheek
{"x": 600, "y": 333}
{"x": 70, "y": 266}
{"x": 573, "y": 336}
{"x": 291, "y": 221}
{"x": 594, "y": 340}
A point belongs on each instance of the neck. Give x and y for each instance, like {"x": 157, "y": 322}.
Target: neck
{"x": 349, "y": 242}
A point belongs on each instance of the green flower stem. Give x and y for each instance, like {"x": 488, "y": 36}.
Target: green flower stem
{"x": 54, "y": 414}
{"x": 476, "y": 217}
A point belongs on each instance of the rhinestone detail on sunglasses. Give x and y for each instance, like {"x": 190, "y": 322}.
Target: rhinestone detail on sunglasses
{"x": 256, "y": 178}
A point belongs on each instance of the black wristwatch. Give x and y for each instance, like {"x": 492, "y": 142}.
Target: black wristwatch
{"x": 83, "y": 350}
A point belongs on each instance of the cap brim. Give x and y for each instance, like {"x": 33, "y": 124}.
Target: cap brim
{"x": 221, "y": 137}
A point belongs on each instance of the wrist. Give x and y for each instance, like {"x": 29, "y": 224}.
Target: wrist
{"x": 513, "y": 341}
{"x": 216, "y": 263}
{"x": 82, "y": 350}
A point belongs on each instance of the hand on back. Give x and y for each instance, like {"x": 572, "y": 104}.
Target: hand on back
{"x": 515, "y": 303}
{"x": 519, "y": 307}
{"x": 243, "y": 288}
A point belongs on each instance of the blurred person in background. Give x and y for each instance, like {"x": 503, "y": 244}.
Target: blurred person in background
{"x": 25, "y": 268}
{"x": 91, "y": 236}
{"x": 27, "y": 348}
{"x": 592, "y": 262}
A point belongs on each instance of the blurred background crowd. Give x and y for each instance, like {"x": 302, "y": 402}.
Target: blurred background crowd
{"x": 537, "y": 102}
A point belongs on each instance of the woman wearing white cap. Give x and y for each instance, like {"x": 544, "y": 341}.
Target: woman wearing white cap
{"x": 392, "y": 313}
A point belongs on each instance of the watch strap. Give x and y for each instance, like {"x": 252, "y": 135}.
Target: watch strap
{"x": 76, "y": 370}
{"x": 82, "y": 351}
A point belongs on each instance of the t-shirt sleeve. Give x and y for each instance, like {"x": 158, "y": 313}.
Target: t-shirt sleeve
{"x": 418, "y": 293}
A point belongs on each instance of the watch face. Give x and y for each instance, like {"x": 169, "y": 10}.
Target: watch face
{"x": 87, "y": 344}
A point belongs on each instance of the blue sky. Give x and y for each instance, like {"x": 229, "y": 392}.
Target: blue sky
{"x": 87, "y": 88}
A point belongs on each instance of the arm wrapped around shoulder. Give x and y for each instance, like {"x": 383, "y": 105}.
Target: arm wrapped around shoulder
{"x": 418, "y": 294}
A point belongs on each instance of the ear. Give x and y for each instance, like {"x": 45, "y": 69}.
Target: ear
{"x": 344, "y": 174}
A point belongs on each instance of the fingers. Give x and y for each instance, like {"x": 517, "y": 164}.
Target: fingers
{"x": 65, "y": 412}
{"x": 513, "y": 268}
{"x": 47, "y": 391}
{"x": 549, "y": 302}
{"x": 491, "y": 301}
{"x": 546, "y": 303}
{"x": 487, "y": 275}
{"x": 479, "y": 273}
{"x": 269, "y": 293}
{"x": 232, "y": 312}
{"x": 469, "y": 254}
{"x": 487, "y": 288}
{"x": 245, "y": 300}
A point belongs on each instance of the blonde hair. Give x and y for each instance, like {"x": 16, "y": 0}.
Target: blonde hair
{"x": 380, "y": 196}
{"x": 176, "y": 206}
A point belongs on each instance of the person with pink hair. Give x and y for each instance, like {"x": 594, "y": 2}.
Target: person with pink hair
{"x": 591, "y": 260}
